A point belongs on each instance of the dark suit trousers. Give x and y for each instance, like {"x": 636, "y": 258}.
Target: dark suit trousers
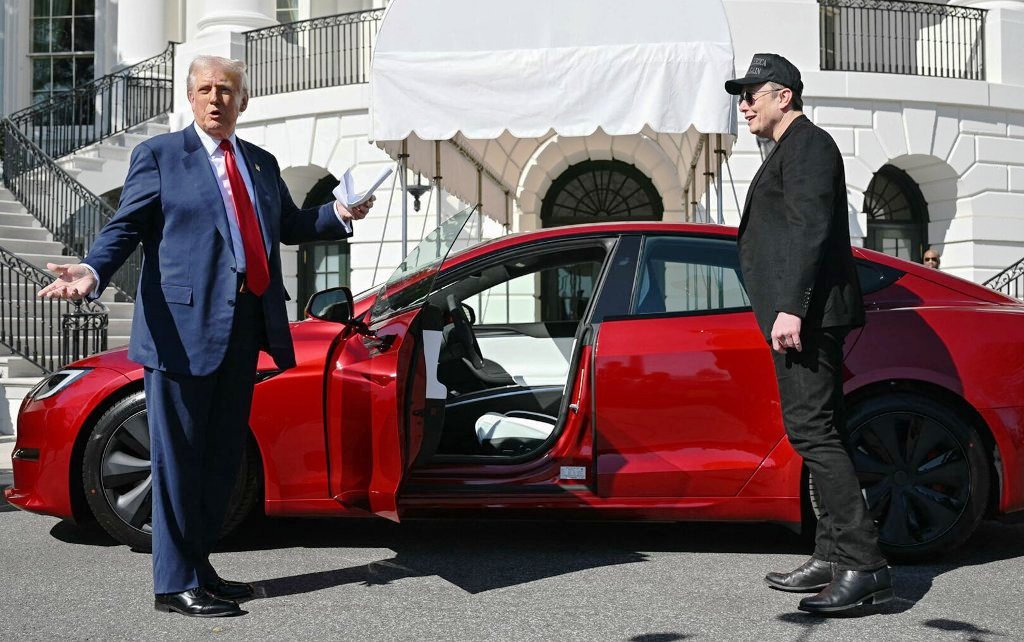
{"x": 811, "y": 392}
{"x": 197, "y": 432}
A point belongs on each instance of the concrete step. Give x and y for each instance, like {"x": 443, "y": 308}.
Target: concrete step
{"x": 153, "y": 128}
{"x": 118, "y": 310}
{"x": 113, "y": 341}
{"x": 6, "y": 194}
{"x": 130, "y": 140}
{"x": 110, "y": 151}
{"x": 25, "y": 232}
{"x": 29, "y": 246}
{"x": 18, "y": 219}
{"x": 15, "y": 366}
{"x": 12, "y": 205}
{"x": 115, "y": 327}
{"x": 26, "y": 293}
{"x": 88, "y": 163}
{"x": 12, "y": 392}
{"x": 40, "y": 260}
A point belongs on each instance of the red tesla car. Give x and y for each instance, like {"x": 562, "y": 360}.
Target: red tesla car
{"x": 598, "y": 371}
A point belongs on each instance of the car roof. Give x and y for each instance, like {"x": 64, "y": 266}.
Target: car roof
{"x": 590, "y": 229}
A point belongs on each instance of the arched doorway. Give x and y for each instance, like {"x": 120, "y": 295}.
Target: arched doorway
{"x": 897, "y": 215}
{"x": 593, "y": 191}
{"x": 323, "y": 264}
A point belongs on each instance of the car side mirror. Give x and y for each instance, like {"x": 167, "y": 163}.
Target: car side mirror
{"x": 332, "y": 304}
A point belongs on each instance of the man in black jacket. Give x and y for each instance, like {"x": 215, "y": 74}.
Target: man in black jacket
{"x": 794, "y": 246}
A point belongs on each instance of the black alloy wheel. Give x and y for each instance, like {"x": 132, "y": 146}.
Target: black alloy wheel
{"x": 922, "y": 469}
{"x": 118, "y": 483}
{"x": 126, "y": 478}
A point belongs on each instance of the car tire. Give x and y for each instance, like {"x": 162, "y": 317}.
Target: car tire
{"x": 924, "y": 472}
{"x": 116, "y": 476}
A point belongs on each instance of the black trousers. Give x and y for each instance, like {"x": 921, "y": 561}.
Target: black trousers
{"x": 811, "y": 392}
{"x": 197, "y": 433}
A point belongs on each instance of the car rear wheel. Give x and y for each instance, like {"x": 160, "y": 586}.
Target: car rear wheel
{"x": 117, "y": 478}
{"x": 923, "y": 470}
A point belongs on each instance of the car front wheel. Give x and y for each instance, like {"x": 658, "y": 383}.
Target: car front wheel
{"x": 117, "y": 479}
{"x": 923, "y": 470}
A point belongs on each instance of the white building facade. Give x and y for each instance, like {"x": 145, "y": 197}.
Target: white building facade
{"x": 931, "y": 125}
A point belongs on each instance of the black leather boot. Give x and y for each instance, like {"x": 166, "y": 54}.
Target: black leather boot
{"x": 850, "y": 589}
{"x": 810, "y": 577}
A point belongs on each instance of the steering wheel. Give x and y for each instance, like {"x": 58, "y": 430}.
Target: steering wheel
{"x": 462, "y": 318}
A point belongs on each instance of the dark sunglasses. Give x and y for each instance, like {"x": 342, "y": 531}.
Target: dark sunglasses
{"x": 751, "y": 96}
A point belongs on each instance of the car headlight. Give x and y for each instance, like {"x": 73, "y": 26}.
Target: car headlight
{"x": 56, "y": 382}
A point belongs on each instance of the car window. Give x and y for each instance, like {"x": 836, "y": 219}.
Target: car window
{"x": 873, "y": 276}
{"x": 537, "y": 288}
{"x": 550, "y": 294}
{"x": 688, "y": 275}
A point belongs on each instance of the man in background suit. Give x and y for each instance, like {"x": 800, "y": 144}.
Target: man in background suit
{"x": 210, "y": 211}
{"x": 794, "y": 246}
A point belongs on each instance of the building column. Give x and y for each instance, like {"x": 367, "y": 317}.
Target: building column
{"x": 235, "y": 15}
{"x": 141, "y": 32}
{"x": 220, "y": 25}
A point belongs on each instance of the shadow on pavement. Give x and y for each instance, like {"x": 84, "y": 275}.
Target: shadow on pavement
{"x": 89, "y": 534}
{"x": 476, "y": 556}
{"x": 482, "y": 555}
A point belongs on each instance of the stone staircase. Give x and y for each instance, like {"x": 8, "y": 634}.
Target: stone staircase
{"x": 22, "y": 234}
{"x": 103, "y": 166}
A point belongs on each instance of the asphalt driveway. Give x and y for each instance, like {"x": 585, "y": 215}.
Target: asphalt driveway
{"x": 495, "y": 580}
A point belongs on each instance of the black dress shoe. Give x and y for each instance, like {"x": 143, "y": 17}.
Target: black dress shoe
{"x": 810, "y": 577}
{"x": 850, "y": 589}
{"x": 228, "y": 590}
{"x": 196, "y": 602}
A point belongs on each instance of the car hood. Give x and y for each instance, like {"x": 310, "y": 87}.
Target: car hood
{"x": 310, "y": 337}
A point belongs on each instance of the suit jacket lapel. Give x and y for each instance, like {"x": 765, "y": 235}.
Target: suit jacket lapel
{"x": 196, "y": 163}
{"x": 760, "y": 170}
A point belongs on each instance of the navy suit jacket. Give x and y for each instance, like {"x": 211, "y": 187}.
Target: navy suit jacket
{"x": 171, "y": 203}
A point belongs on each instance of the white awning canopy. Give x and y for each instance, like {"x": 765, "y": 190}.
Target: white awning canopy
{"x": 505, "y": 83}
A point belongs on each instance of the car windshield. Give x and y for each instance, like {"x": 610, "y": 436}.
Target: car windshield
{"x": 412, "y": 281}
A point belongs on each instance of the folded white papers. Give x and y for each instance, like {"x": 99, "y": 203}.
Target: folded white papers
{"x": 346, "y": 192}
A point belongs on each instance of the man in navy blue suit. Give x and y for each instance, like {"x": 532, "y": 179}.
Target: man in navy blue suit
{"x": 211, "y": 212}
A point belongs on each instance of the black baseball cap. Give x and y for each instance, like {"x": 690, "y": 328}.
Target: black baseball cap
{"x": 768, "y": 67}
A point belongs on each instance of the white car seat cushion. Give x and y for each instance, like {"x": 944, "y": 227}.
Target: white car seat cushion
{"x": 494, "y": 426}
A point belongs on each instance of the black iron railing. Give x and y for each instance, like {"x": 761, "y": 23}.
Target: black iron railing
{"x": 1010, "y": 281}
{"x": 309, "y": 54}
{"x": 48, "y": 332}
{"x": 916, "y": 38}
{"x": 90, "y": 112}
{"x": 72, "y": 213}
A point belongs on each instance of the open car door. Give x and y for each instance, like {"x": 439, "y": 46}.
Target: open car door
{"x": 383, "y": 397}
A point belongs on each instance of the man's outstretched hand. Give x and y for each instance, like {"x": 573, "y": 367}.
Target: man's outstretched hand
{"x": 73, "y": 283}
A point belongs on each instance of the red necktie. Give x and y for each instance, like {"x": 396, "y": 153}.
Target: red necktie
{"x": 257, "y": 274}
